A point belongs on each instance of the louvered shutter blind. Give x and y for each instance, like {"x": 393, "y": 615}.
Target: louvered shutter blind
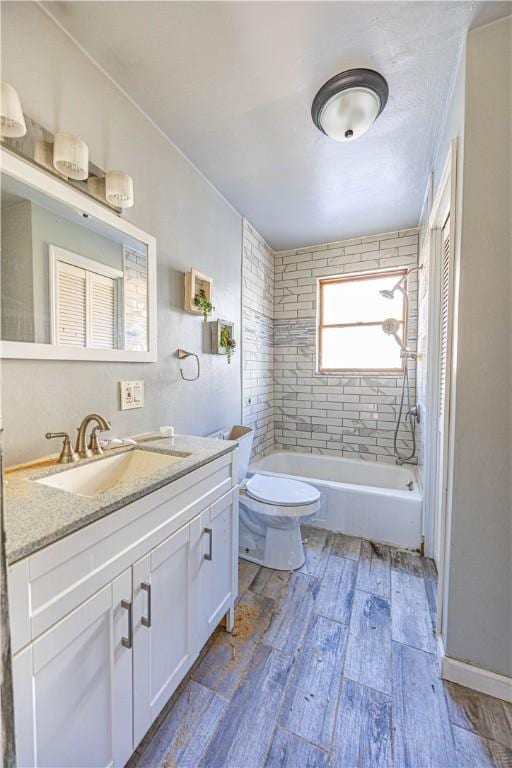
{"x": 103, "y": 311}
{"x": 71, "y": 326}
{"x": 86, "y": 308}
{"x": 445, "y": 319}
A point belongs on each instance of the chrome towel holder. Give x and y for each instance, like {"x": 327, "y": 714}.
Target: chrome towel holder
{"x": 182, "y": 354}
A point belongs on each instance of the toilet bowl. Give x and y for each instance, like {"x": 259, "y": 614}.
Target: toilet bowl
{"x": 271, "y": 512}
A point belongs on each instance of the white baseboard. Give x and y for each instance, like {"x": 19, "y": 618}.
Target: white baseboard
{"x": 477, "y": 678}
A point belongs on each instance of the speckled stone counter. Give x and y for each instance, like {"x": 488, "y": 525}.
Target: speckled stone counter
{"x": 38, "y": 515}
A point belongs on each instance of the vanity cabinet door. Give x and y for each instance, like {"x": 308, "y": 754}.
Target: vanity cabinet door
{"x": 218, "y": 566}
{"x": 163, "y": 652}
{"x": 73, "y": 686}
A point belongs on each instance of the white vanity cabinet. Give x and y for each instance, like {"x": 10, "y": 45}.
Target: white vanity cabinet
{"x": 163, "y": 594}
{"x": 73, "y": 686}
{"x": 107, "y": 621}
{"x": 217, "y": 579}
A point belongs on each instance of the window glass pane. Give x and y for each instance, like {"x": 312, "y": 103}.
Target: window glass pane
{"x": 365, "y": 347}
{"x": 359, "y": 301}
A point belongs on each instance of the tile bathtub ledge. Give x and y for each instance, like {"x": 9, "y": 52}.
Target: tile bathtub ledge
{"x": 37, "y": 515}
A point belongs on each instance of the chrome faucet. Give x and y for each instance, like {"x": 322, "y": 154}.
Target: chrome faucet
{"x": 103, "y": 425}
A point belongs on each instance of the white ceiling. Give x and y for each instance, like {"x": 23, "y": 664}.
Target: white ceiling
{"x": 231, "y": 84}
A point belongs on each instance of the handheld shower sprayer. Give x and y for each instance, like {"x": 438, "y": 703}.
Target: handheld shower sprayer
{"x": 391, "y": 326}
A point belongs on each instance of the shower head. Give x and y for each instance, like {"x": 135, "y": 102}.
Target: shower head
{"x": 389, "y": 293}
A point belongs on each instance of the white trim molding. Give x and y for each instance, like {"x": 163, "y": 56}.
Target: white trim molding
{"x": 477, "y": 678}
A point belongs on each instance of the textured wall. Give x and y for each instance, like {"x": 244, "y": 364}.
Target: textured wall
{"x": 257, "y": 339}
{"x": 479, "y": 620}
{"x": 352, "y": 414}
{"x": 193, "y": 225}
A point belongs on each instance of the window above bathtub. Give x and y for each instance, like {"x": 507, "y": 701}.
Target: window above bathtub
{"x": 351, "y": 311}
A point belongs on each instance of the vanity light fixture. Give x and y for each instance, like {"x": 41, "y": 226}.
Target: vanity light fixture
{"x": 43, "y": 155}
{"x": 96, "y": 187}
{"x": 71, "y": 156}
{"x": 12, "y": 122}
{"x": 348, "y": 104}
{"x": 119, "y": 189}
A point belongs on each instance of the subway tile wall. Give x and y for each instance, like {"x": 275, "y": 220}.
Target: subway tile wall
{"x": 257, "y": 339}
{"x": 352, "y": 414}
{"x": 290, "y": 405}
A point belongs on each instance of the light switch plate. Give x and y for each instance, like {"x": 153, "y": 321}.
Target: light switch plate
{"x": 132, "y": 394}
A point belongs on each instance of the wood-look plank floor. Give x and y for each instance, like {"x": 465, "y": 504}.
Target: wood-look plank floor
{"x": 332, "y": 666}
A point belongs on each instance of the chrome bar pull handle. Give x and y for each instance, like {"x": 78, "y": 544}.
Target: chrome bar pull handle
{"x": 128, "y": 641}
{"x": 210, "y": 547}
{"x": 146, "y": 620}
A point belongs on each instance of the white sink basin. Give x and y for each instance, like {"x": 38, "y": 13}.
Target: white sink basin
{"x": 110, "y": 473}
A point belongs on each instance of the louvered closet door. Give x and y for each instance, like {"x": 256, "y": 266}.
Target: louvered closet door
{"x": 70, "y": 321}
{"x": 86, "y": 308}
{"x": 103, "y": 311}
{"x": 445, "y": 337}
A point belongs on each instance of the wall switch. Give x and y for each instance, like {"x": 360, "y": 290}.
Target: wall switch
{"x": 132, "y": 394}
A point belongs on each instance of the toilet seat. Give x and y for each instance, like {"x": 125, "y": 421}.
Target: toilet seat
{"x": 281, "y": 492}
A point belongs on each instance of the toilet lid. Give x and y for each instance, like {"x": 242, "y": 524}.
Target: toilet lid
{"x": 281, "y": 491}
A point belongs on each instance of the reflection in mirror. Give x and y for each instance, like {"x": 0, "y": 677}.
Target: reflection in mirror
{"x": 66, "y": 279}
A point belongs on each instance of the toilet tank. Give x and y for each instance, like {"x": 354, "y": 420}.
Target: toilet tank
{"x": 244, "y": 436}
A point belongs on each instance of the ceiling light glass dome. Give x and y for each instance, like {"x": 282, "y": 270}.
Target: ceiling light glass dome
{"x": 348, "y": 104}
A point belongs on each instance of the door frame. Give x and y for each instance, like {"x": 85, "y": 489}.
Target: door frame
{"x": 437, "y": 525}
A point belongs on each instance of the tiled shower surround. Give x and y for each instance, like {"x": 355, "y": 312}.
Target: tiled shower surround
{"x": 351, "y": 414}
{"x": 257, "y": 339}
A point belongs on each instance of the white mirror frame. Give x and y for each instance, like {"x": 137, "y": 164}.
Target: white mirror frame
{"x": 16, "y": 167}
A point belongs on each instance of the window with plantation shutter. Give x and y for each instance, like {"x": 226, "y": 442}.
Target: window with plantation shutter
{"x": 85, "y": 297}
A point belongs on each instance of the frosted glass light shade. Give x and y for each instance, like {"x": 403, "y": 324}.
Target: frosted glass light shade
{"x": 71, "y": 156}
{"x": 349, "y": 114}
{"x": 119, "y": 189}
{"x": 12, "y": 122}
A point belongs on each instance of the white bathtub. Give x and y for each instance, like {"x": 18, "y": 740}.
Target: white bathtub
{"x": 360, "y": 498}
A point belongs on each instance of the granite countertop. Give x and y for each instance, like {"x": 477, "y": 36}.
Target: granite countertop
{"x": 37, "y": 515}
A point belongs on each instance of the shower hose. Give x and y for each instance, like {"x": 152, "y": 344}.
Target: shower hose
{"x": 400, "y": 458}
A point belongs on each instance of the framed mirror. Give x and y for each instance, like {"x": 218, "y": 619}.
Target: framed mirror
{"x": 77, "y": 282}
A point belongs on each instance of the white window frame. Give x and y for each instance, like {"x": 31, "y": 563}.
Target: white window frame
{"x": 57, "y": 254}
{"x": 30, "y": 174}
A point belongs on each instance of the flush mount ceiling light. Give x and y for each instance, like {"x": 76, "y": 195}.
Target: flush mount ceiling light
{"x": 348, "y": 104}
{"x": 12, "y": 122}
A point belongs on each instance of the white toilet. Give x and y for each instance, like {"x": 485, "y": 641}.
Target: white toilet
{"x": 271, "y": 512}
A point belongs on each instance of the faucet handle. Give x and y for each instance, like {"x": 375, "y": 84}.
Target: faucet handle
{"x": 94, "y": 442}
{"x": 67, "y": 454}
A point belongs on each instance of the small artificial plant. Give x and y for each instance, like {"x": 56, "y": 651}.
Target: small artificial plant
{"x": 227, "y": 342}
{"x": 202, "y": 303}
